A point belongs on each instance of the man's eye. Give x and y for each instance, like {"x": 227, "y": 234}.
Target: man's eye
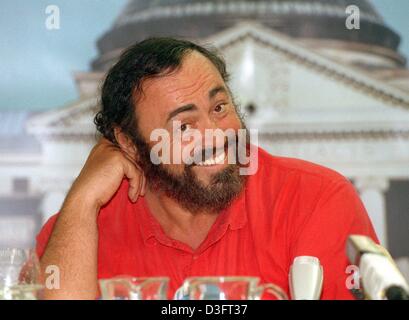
{"x": 184, "y": 127}
{"x": 220, "y": 107}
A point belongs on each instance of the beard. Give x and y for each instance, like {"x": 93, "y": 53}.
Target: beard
{"x": 186, "y": 188}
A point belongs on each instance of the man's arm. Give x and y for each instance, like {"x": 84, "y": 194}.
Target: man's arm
{"x": 73, "y": 248}
{"x": 73, "y": 244}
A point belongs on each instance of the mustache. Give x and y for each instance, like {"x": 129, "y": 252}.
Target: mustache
{"x": 207, "y": 153}
{"x": 230, "y": 147}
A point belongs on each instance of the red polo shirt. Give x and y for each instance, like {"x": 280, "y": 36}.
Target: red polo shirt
{"x": 289, "y": 208}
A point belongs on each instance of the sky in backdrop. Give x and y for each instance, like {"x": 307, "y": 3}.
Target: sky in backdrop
{"x": 36, "y": 64}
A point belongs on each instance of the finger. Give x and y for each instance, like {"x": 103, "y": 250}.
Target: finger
{"x": 142, "y": 178}
{"x": 140, "y": 184}
{"x": 134, "y": 177}
{"x": 134, "y": 189}
{"x": 129, "y": 157}
{"x": 143, "y": 186}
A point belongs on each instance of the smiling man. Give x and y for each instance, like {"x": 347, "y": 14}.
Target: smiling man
{"x": 126, "y": 215}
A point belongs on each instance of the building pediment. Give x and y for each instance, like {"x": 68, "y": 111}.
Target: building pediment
{"x": 293, "y": 88}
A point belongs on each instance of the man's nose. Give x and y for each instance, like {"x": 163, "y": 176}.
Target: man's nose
{"x": 212, "y": 134}
{"x": 207, "y": 123}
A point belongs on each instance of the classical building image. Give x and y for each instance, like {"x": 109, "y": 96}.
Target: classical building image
{"x": 314, "y": 89}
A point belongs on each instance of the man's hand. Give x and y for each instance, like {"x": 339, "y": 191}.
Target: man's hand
{"x": 103, "y": 173}
{"x": 73, "y": 245}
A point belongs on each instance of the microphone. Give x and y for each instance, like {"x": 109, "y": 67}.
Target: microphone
{"x": 305, "y": 278}
{"x": 380, "y": 277}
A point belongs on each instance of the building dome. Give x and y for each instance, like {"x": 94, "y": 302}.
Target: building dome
{"x": 195, "y": 19}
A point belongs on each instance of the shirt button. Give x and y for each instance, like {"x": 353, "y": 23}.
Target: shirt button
{"x": 195, "y": 257}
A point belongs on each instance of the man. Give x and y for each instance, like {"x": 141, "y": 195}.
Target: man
{"x": 125, "y": 215}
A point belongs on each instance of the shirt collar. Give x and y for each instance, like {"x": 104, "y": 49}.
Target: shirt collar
{"x": 235, "y": 217}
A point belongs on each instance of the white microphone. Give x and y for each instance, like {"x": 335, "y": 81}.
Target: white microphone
{"x": 305, "y": 278}
{"x": 380, "y": 277}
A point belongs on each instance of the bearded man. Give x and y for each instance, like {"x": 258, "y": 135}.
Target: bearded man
{"x": 126, "y": 215}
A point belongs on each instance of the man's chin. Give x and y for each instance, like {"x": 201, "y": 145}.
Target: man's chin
{"x": 205, "y": 174}
{"x": 198, "y": 188}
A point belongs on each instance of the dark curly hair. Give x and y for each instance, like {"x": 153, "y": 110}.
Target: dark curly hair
{"x": 149, "y": 58}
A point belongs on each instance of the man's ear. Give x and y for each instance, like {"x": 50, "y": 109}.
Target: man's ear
{"x": 125, "y": 143}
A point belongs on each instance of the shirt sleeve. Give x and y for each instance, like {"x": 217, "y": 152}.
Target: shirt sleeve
{"x": 44, "y": 235}
{"x": 337, "y": 214}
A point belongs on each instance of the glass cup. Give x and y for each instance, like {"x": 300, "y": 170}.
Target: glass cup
{"x": 130, "y": 288}
{"x": 227, "y": 288}
{"x": 22, "y": 292}
{"x": 20, "y": 275}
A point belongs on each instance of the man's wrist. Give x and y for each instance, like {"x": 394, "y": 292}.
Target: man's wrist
{"x": 82, "y": 204}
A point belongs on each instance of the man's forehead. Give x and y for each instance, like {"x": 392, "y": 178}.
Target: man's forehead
{"x": 195, "y": 71}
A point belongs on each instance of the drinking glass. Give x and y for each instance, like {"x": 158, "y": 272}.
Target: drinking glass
{"x": 131, "y": 288}
{"x": 20, "y": 275}
{"x": 227, "y": 288}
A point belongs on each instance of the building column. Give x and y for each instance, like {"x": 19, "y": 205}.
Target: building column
{"x": 372, "y": 191}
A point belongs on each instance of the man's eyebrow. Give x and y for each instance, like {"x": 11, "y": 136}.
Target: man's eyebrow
{"x": 193, "y": 107}
{"x": 187, "y": 107}
{"x": 216, "y": 90}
